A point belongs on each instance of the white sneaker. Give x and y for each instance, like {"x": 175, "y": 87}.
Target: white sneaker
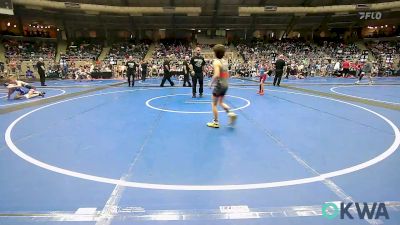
{"x": 232, "y": 118}
{"x": 357, "y": 82}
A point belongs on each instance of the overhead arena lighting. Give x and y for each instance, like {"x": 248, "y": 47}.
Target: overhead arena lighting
{"x": 362, "y": 6}
{"x": 270, "y": 8}
{"x": 72, "y": 5}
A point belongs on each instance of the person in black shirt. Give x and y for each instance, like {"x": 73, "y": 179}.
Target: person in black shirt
{"x": 1, "y": 69}
{"x": 167, "y": 72}
{"x": 186, "y": 72}
{"x": 63, "y": 67}
{"x": 144, "y": 70}
{"x": 41, "y": 71}
{"x": 287, "y": 72}
{"x": 279, "y": 65}
{"x": 197, "y": 62}
{"x": 131, "y": 70}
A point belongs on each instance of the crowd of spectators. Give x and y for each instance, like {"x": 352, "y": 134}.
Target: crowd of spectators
{"x": 176, "y": 49}
{"x": 72, "y": 68}
{"x": 29, "y": 50}
{"x": 83, "y": 51}
{"x": 179, "y": 49}
{"x": 121, "y": 51}
{"x": 340, "y": 50}
{"x": 387, "y": 55}
{"x": 310, "y": 59}
{"x": 205, "y": 47}
{"x": 303, "y": 58}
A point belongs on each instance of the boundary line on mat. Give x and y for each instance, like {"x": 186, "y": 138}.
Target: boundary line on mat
{"x": 110, "y": 209}
{"x": 347, "y": 170}
{"x": 355, "y": 96}
{"x": 248, "y": 103}
{"x": 338, "y": 191}
{"x": 344, "y": 98}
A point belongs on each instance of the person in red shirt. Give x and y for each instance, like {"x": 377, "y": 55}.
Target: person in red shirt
{"x": 357, "y": 67}
{"x": 346, "y": 67}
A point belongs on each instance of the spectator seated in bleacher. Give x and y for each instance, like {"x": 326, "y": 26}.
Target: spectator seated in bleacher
{"x": 305, "y": 58}
{"x": 387, "y": 55}
{"x": 178, "y": 49}
{"x": 29, "y": 50}
{"x": 120, "y": 51}
{"x": 29, "y": 73}
{"x": 83, "y": 51}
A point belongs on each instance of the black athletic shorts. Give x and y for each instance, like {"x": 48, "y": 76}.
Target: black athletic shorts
{"x": 28, "y": 86}
{"x": 220, "y": 90}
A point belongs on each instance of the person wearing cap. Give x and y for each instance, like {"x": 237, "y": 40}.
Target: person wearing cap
{"x": 197, "y": 63}
{"x": 167, "y": 72}
{"x": 41, "y": 71}
{"x": 279, "y": 66}
{"x": 186, "y": 71}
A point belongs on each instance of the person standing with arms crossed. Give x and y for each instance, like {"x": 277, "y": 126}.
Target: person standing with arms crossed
{"x": 197, "y": 64}
{"x": 41, "y": 71}
{"x": 279, "y": 66}
{"x": 131, "y": 70}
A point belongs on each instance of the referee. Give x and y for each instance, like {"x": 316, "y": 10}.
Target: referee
{"x": 41, "y": 71}
{"x": 279, "y": 65}
{"x": 131, "y": 67}
{"x": 167, "y": 72}
{"x": 197, "y": 63}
